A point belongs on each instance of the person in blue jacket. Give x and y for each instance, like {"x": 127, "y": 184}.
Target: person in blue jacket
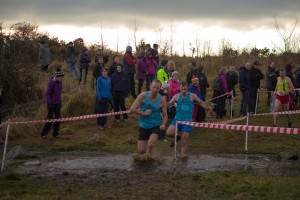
{"x": 103, "y": 97}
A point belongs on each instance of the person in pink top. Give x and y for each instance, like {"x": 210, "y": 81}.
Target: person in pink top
{"x": 151, "y": 65}
{"x": 174, "y": 84}
{"x": 173, "y": 89}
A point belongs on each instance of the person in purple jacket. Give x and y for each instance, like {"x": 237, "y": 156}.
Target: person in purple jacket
{"x": 141, "y": 71}
{"x": 53, "y": 99}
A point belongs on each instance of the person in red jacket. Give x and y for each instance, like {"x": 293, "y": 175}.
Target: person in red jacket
{"x": 129, "y": 62}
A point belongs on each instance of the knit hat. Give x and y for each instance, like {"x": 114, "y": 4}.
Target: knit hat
{"x": 195, "y": 80}
{"x": 175, "y": 73}
{"x": 129, "y": 48}
{"x": 59, "y": 73}
{"x": 165, "y": 84}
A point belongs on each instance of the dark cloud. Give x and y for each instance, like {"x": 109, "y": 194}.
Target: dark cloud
{"x": 240, "y": 14}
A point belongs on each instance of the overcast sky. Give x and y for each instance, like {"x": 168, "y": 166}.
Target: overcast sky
{"x": 243, "y": 16}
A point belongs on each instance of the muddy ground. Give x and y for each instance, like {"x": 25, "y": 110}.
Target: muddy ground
{"x": 122, "y": 177}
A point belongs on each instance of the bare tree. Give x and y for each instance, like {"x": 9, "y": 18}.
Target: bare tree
{"x": 171, "y": 38}
{"x": 197, "y": 43}
{"x": 183, "y": 48}
{"x": 135, "y": 30}
{"x": 206, "y": 48}
{"x": 159, "y": 30}
{"x": 101, "y": 38}
{"x": 288, "y": 35}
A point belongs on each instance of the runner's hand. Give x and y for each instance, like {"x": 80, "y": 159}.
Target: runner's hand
{"x": 162, "y": 127}
{"x": 148, "y": 112}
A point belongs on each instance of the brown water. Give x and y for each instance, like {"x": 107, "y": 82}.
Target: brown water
{"x": 85, "y": 165}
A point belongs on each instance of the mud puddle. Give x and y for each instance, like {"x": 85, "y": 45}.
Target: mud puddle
{"x": 85, "y": 165}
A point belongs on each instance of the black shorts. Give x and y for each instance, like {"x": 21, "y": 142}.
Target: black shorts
{"x": 144, "y": 133}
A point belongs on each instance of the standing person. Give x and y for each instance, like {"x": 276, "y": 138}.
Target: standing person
{"x": 103, "y": 97}
{"x": 174, "y": 84}
{"x": 220, "y": 90}
{"x": 85, "y": 60}
{"x": 244, "y": 83}
{"x": 255, "y": 77}
{"x": 149, "y": 106}
{"x": 195, "y": 89}
{"x": 53, "y": 99}
{"x": 174, "y": 89}
{"x": 120, "y": 86}
{"x": 141, "y": 71}
{"x": 129, "y": 67}
{"x": 193, "y": 71}
{"x": 155, "y": 56}
{"x": 98, "y": 67}
{"x": 150, "y": 76}
{"x": 72, "y": 54}
{"x": 185, "y": 106}
{"x": 1, "y": 141}
{"x": 289, "y": 72}
{"x": 44, "y": 56}
{"x": 113, "y": 67}
{"x": 297, "y": 84}
{"x": 271, "y": 80}
{"x": 232, "y": 79}
{"x": 282, "y": 92}
{"x": 203, "y": 85}
{"x": 162, "y": 72}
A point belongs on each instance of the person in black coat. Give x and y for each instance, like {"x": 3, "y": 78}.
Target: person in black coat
{"x": 120, "y": 86}
{"x": 85, "y": 60}
{"x": 255, "y": 77}
{"x": 297, "y": 84}
{"x": 203, "y": 86}
{"x": 244, "y": 83}
{"x": 271, "y": 81}
{"x": 232, "y": 79}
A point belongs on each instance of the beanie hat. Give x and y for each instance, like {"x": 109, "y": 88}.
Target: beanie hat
{"x": 175, "y": 73}
{"x": 165, "y": 84}
{"x": 59, "y": 73}
{"x": 195, "y": 80}
{"x": 129, "y": 48}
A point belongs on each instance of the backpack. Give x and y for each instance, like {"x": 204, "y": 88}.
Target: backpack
{"x": 217, "y": 85}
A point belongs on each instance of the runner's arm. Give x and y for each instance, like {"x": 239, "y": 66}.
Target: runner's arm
{"x": 164, "y": 112}
{"x": 135, "y": 107}
{"x": 172, "y": 101}
{"x": 196, "y": 99}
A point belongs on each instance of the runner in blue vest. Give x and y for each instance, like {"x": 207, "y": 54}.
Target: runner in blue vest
{"x": 184, "y": 112}
{"x": 149, "y": 105}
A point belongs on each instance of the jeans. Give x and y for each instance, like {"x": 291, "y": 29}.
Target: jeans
{"x": 252, "y": 100}
{"x": 101, "y": 108}
{"x": 140, "y": 85}
{"x": 53, "y": 109}
{"x": 119, "y": 102}
{"x": 149, "y": 79}
{"x": 83, "y": 75}
{"x": 132, "y": 84}
{"x": 245, "y": 102}
{"x": 74, "y": 66}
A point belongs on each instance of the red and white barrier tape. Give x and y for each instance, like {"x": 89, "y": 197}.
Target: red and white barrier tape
{"x": 262, "y": 129}
{"x": 266, "y": 91}
{"x": 218, "y": 96}
{"x": 278, "y": 113}
{"x": 69, "y": 118}
{"x": 253, "y": 115}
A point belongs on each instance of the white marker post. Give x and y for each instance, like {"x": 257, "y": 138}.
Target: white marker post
{"x": 257, "y": 94}
{"x": 175, "y": 144}
{"x": 231, "y": 105}
{"x": 5, "y": 147}
{"x": 246, "y": 139}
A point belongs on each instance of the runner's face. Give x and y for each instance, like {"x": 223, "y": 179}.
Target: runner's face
{"x": 184, "y": 90}
{"x": 119, "y": 68}
{"x": 282, "y": 74}
{"x": 155, "y": 87}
